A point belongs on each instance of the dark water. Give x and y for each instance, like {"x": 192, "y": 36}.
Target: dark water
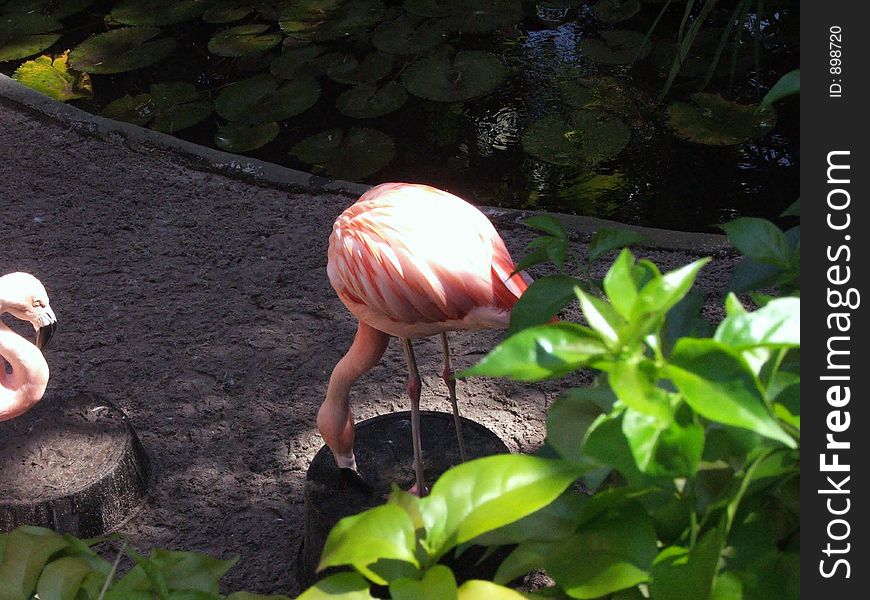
{"x": 473, "y": 148}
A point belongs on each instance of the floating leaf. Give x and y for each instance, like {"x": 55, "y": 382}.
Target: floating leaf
{"x": 20, "y": 18}
{"x": 605, "y": 94}
{"x": 715, "y": 121}
{"x": 616, "y": 47}
{"x": 263, "y": 98}
{"x": 27, "y": 45}
{"x": 788, "y": 85}
{"x": 352, "y": 154}
{"x": 243, "y": 40}
{"x": 589, "y": 138}
{"x": 53, "y": 78}
{"x": 157, "y": 12}
{"x": 314, "y": 59}
{"x": 121, "y": 50}
{"x": 483, "y": 16}
{"x": 368, "y": 101}
{"x": 468, "y": 74}
{"x": 169, "y": 107}
{"x": 239, "y": 137}
{"x": 614, "y": 11}
{"x": 350, "y": 19}
{"x": 226, "y": 11}
{"x": 373, "y": 67}
{"x": 408, "y": 34}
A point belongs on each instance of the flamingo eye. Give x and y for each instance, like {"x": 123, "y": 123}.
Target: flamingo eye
{"x": 38, "y": 303}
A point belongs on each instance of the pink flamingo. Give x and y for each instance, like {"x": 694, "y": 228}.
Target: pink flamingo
{"x": 410, "y": 261}
{"x": 24, "y": 297}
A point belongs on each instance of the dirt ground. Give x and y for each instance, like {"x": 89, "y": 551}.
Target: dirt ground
{"x": 200, "y": 305}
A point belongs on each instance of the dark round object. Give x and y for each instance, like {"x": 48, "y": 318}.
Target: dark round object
{"x": 73, "y": 464}
{"x": 385, "y": 455}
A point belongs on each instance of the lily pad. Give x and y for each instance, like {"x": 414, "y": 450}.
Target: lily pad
{"x": 369, "y": 101}
{"x": 614, "y": 11}
{"x": 243, "y": 40}
{"x": 605, "y": 94}
{"x": 349, "y": 70}
{"x": 293, "y": 60}
{"x": 617, "y": 47}
{"x": 350, "y": 19}
{"x": 483, "y": 16}
{"x": 19, "y": 18}
{"x": 588, "y": 139}
{"x": 121, "y": 50}
{"x": 463, "y": 76}
{"x": 227, "y": 11}
{"x": 26, "y": 45}
{"x": 53, "y": 78}
{"x": 238, "y": 137}
{"x": 715, "y": 121}
{"x": 347, "y": 154}
{"x": 169, "y": 107}
{"x": 157, "y": 12}
{"x": 264, "y": 98}
{"x": 408, "y": 34}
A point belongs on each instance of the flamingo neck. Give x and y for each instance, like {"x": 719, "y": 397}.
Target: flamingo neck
{"x": 25, "y": 385}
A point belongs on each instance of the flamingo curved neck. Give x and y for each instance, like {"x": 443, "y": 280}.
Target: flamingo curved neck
{"x": 25, "y": 385}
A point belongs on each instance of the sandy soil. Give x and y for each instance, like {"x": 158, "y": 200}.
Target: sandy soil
{"x": 200, "y": 305}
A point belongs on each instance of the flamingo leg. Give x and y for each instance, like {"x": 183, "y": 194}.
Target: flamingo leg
{"x": 450, "y": 380}
{"x": 414, "y": 387}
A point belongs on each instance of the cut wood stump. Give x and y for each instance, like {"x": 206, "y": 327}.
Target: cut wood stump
{"x": 385, "y": 455}
{"x": 73, "y": 464}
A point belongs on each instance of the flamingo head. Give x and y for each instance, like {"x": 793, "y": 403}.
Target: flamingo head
{"x": 25, "y": 298}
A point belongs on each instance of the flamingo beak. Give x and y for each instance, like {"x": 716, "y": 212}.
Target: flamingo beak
{"x": 45, "y": 332}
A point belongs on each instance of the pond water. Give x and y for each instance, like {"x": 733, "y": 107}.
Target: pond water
{"x": 547, "y": 105}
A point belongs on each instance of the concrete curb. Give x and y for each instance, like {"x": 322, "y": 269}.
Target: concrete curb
{"x": 272, "y": 175}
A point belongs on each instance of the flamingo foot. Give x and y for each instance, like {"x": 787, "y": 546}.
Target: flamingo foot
{"x": 354, "y": 479}
{"x": 415, "y": 490}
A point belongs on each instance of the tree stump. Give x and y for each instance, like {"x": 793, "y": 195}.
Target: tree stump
{"x": 385, "y": 455}
{"x": 73, "y": 464}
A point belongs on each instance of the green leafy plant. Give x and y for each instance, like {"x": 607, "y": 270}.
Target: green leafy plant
{"x": 37, "y": 563}
{"x": 690, "y": 441}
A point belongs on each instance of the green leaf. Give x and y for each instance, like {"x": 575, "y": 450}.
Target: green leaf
{"x": 719, "y": 386}
{"x": 243, "y": 40}
{"x": 239, "y": 137}
{"x": 27, "y": 550}
{"x": 600, "y": 316}
{"x": 664, "y": 448}
{"x": 634, "y": 382}
{"x": 437, "y": 584}
{"x": 541, "y": 352}
{"x": 53, "y": 78}
{"x": 62, "y": 578}
{"x": 552, "y": 522}
{"x": 606, "y": 239}
{"x": 614, "y": 11}
{"x": 351, "y": 154}
{"x": 443, "y": 77}
{"x": 485, "y": 494}
{"x": 662, "y": 293}
{"x": 547, "y": 224}
{"x": 264, "y": 99}
{"x": 382, "y": 533}
{"x": 157, "y": 12}
{"x": 712, "y": 120}
{"x": 760, "y": 240}
{"x": 571, "y": 416}
{"x": 775, "y": 325}
{"x": 587, "y": 138}
{"x": 542, "y": 301}
{"x": 121, "y": 50}
{"x": 606, "y": 442}
{"x": 191, "y": 570}
{"x": 609, "y": 553}
{"x": 348, "y": 69}
{"x": 408, "y": 34}
{"x": 369, "y": 101}
{"x": 482, "y": 16}
{"x": 475, "y": 589}
{"x": 685, "y": 320}
{"x": 793, "y": 210}
{"x": 616, "y": 47}
{"x": 788, "y": 85}
{"x": 252, "y": 596}
{"x": 679, "y": 573}
{"x": 26, "y": 45}
{"x": 340, "y": 586}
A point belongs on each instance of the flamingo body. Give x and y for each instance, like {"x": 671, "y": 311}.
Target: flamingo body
{"x": 414, "y": 261}
{"x": 24, "y": 297}
{"x": 411, "y": 261}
